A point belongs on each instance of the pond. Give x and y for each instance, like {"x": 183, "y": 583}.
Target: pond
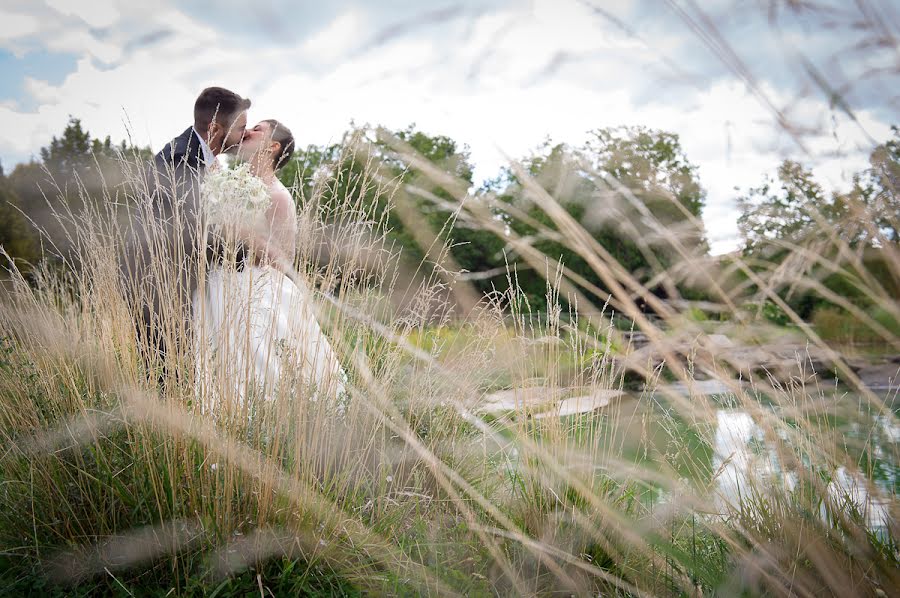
{"x": 850, "y": 447}
{"x": 745, "y": 461}
{"x": 841, "y": 446}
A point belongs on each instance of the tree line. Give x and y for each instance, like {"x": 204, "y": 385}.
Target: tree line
{"x": 632, "y": 189}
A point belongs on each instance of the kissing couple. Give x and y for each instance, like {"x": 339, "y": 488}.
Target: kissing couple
{"x": 253, "y": 329}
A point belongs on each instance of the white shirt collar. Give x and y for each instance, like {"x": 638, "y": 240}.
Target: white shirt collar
{"x": 209, "y": 157}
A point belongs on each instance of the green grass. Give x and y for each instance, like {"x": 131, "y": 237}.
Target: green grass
{"x": 113, "y": 482}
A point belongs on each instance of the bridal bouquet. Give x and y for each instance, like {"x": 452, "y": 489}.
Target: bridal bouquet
{"x": 230, "y": 195}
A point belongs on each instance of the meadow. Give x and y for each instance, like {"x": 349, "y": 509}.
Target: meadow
{"x": 613, "y": 441}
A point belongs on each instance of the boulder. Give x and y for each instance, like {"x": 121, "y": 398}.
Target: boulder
{"x": 582, "y": 403}
{"x": 516, "y": 399}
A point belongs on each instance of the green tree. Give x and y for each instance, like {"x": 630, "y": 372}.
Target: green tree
{"x": 793, "y": 224}
{"x": 376, "y": 171}
{"x": 632, "y": 188}
{"x": 781, "y": 210}
{"x": 421, "y": 209}
{"x": 436, "y": 203}
{"x": 878, "y": 187}
{"x": 73, "y": 155}
{"x": 70, "y": 153}
{"x": 794, "y": 208}
{"x": 653, "y": 165}
{"x": 17, "y": 237}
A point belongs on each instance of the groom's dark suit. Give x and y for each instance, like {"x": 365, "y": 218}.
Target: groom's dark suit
{"x": 185, "y": 151}
{"x": 163, "y": 258}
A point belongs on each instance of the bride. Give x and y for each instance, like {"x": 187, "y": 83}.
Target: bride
{"x": 256, "y": 328}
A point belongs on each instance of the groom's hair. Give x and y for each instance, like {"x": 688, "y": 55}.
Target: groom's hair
{"x": 282, "y": 135}
{"x": 220, "y": 104}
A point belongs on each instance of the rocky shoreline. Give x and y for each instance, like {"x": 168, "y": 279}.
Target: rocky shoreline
{"x": 780, "y": 361}
{"x": 715, "y": 361}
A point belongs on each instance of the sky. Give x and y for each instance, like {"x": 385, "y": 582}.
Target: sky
{"x": 745, "y": 83}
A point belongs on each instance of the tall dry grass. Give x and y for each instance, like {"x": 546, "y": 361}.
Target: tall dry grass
{"x": 117, "y": 475}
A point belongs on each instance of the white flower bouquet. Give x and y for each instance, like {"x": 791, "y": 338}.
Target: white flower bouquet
{"x": 231, "y": 195}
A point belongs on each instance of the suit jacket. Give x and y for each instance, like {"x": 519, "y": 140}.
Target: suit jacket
{"x": 183, "y": 151}
{"x": 168, "y": 251}
{"x": 164, "y": 254}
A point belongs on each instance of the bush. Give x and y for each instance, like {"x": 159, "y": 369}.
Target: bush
{"x": 837, "y": 325}
{"x": 886, "y": 319}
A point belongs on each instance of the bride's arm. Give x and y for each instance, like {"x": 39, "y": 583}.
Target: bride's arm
{"x": 281, "y": 217}
{"x": 272, "y": 239}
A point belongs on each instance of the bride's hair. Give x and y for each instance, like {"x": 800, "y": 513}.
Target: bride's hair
{"x": 282, "y": 135}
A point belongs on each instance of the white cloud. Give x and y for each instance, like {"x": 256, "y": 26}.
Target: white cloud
{"x": 96, "y": 13}
{"x": 42, "y": 91}
{"x": 499, "y": 84}
{"x": 337, "y": 38}
{"x": 80, "y": 41}
{"x": 15, "y": 25}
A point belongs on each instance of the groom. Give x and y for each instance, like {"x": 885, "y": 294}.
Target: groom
{"x": 164, "y": 294}
{"x": 220, "y": 118}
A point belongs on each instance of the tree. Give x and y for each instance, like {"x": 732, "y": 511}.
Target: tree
{"x": 72, "y": 156}
{"x": 17, "y": 238}
{"x": 70, "y": 153}
{"x": 791, "y": 224}
{"x": 878, "y": 187}
{"x": 632, "y": 188}
{"x": 794, "y": 207}
{"x": 373, "y": 171}
{"x": 781, "y": 210}
{"x": 591, "y": 182}
{"x": 75, "y": 154}
{"x": 653, "y": 165}
{"x": 472, "y": 248}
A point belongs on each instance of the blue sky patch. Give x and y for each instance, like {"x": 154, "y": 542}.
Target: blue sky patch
{"x": 38, "y": 64}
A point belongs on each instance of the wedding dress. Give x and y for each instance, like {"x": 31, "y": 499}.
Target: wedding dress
{"x": 257, "y": 336}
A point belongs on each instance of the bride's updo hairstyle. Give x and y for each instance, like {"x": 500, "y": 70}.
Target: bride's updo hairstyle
{"x": 282, "y": 135}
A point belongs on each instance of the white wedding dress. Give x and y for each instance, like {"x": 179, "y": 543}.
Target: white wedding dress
{"x": 257, "y": 337}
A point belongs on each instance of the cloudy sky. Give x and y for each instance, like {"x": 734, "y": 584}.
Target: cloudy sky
{"x": 744, "y": 83}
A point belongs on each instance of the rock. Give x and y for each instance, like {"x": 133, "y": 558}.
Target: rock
{"x": 702, "y": 388}
{"x": 782, "y": 359}
{"x": 582, "y": 403}
{"x": 883, "y": 376}
{"x": 781, "y": 362}
{"x": 636, "y": 339}
{"x": 542, "y": 401}
{"x": 747, "y": 358}
{"x": 520, "y": 398}
{"x": 719, "y": 340}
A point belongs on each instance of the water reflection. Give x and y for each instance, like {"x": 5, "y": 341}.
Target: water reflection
{"x": 745, "y": 465}
{"x": 849, "y": 492}
{"x": 742, "y": 460}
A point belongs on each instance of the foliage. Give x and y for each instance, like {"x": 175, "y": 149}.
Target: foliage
{"x": 837, "y": 325}
{"x": 420, "y": 213}
{"x": 783, "y": 209}
{"x": 16, "y": 235}
{"x": 73, "y": 169}
{"x": 826, "y": 248}
{"x": 794, "y": 208}
{"x": 632, "y": 188}
{"x": 878, "y": 186}
{"x": 423, "y": 485}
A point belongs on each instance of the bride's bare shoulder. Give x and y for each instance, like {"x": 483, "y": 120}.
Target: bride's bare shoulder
{"x": 280, "y": 194}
